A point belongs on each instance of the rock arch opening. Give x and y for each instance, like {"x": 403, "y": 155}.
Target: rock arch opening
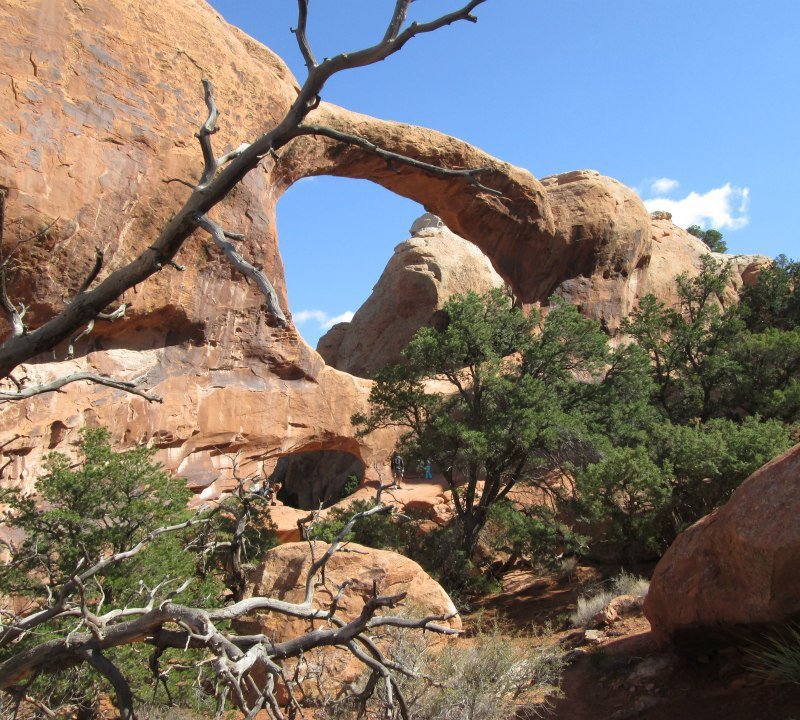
{"x": 336, "y": 235}
{"x": 310, "y": 479}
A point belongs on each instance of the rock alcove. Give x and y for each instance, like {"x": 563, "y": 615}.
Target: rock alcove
{"x": 315, "y": 478}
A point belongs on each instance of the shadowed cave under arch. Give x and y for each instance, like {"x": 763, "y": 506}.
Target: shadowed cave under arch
{"x": 310, "y": 479}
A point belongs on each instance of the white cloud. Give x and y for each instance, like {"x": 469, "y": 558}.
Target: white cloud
{"x": 721, "y": 208}
{"x": 322, "y": 319}
{"x": 346, "y": 316}
{"x": 304, "y": 316}
{"x": 663, "y": 186}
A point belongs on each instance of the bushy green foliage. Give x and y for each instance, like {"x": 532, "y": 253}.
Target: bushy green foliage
{"x": 105, "y": 503}
{"x": 627, "y": 494}
{"x": 508, "y": 417}
{"x": 377, "y": 531}
{"x": 349, "y": 487}
{"x": 81, "y": 513}
{"x": 769, "y": 381}
{"x": 773, "y": 301}
{"x": 534, "y": 533}
{"x": 709, "y": 461}
{"x": 712, "y": 238}
{"x": 690, "y": 345}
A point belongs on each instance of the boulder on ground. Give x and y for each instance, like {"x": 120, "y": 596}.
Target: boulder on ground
{"x": 736, "y": 567}
{"x": 282, "y": 575}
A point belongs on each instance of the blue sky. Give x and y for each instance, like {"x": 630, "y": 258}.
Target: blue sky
{"x": 693, "y": 102}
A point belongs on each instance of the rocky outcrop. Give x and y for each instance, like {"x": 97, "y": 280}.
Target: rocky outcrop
{"x": 736, "y": 567}
{"x": 424, "y": 272}
{"x": 606, "y": 229}
{"x": 101, "y": 103}
{"x": 281, "y": 575}
{"x": 611, "y": 252}
{"x": 674, "y": 251}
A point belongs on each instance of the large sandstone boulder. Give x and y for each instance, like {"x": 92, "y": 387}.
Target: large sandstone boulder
{"x": 282, "y": 575}
{"x": 736, "y": 567}
{"x": 606, "y": 230}
{"x": 422, "y": 274}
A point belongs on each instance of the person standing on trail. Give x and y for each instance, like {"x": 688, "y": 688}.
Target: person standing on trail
{"x": 428, "y": 473}
{"x": 398, "y": 468}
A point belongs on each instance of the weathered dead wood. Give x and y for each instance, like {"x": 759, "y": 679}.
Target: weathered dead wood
{"x": 219, "y": 177}
{"x": 129, "y": 386}
{"x": 167, "y": 624}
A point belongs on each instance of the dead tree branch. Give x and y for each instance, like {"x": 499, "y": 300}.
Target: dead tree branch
{"x": 220, "y": 240}
{"x": 219, "y": 177}
{"x": 165, "y": 624}
{"x": 129, "y": 386}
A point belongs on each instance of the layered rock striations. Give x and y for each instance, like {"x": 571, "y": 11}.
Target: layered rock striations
{"x": 101, "y": 103}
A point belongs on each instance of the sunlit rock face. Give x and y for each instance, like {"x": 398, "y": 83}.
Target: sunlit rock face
{"x": 422, "y": 274}
{"x": 101, "y": 103}
{"x": 281, "y": 575}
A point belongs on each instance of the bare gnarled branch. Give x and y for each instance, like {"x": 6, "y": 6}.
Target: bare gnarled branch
{"x": 129, "y": 386}
{"x": 300, "y": 34}
{"x": 220, "y": 238}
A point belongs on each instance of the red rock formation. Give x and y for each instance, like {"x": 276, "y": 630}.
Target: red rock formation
{"x": 738, "y": 566}
{"x": 282, "y": 575}
{"x": 612, "y": 253}
{"x": 419, "y": 278}
{"x": 101, "y": 102}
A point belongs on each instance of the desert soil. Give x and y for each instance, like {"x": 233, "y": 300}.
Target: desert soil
{"x": 625, "y": 675}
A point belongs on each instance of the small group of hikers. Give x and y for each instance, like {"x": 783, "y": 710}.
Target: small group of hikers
{"x": 399, "y": 469}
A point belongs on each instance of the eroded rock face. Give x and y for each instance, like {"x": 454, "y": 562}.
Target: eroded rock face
{"x": 610, "y": 253}
{"x": 282, "y": 574}
{"x": 424, "y": 272}
{"x": 101, "y": 103}
{"x": 736, "y": 567}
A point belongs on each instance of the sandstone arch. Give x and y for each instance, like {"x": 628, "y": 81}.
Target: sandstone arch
{"x": 103, "y": 107}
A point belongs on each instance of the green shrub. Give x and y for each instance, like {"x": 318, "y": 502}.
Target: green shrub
{"x": 625, "y": 495}
{"x": 534, "y": 533}
{"x": 377, "y": 531}
{"x": 349, "y": 487}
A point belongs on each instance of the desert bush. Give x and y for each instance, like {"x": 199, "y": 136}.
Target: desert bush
{"x": 588, "y": 606}
{"x": 627, "y": 584}
{"x": 489, "y": 676}
{"x": 489, "y": 679}
{"x": 597, "y": 600}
